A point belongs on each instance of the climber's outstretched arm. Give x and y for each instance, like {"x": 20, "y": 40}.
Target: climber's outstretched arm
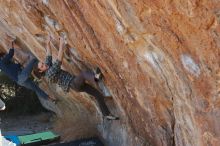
{"x": 61, "y": 50}
{"x": 48, "y": 46}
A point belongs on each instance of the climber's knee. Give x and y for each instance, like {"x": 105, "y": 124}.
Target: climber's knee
{"x": 76, "y": 85}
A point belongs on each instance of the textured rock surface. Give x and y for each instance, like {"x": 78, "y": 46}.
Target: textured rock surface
{"x": 160, "y": 59}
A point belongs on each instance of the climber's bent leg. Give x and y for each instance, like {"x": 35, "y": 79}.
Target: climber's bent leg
{"x": 29, "y": 84}
{"x": 98, "y": 96}
{"x": 79, "y": 80}
{"x": 26, "y": 71}
{"x": 95, "y": 93}
{"x": 22, "y": 57}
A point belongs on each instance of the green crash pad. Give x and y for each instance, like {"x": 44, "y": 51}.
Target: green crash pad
{"x": 38, "y": 138}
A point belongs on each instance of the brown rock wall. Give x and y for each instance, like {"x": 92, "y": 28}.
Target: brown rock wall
{"x": 160, "y": 59}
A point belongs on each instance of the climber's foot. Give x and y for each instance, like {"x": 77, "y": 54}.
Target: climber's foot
{"x": 53, "y": 99}
{"x": 111, "y": 117}
{"x": 98, "y": 75}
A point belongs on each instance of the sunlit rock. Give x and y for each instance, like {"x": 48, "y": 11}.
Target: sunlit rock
{"x": 160, "y": 61}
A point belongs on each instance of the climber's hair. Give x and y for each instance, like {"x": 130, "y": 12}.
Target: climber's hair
{"x": 37, "y": 74}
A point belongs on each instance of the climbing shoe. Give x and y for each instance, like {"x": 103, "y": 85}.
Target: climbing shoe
{"x": 111, "y": 117}
{"x": 98, "y": 75}
{"x": 54, "y": 100}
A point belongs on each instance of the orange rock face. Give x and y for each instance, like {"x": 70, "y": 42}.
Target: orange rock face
{"x": 160, "y": 60}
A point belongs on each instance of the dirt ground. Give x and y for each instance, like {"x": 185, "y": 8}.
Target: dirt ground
{"x": 26, "y": 124}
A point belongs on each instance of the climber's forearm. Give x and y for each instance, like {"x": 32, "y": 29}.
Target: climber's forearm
{"x": 48, "y": 49}
{"x": 60, "y": 54}
{"x": 48, "y": 46}
{"x": 61, "y": 50}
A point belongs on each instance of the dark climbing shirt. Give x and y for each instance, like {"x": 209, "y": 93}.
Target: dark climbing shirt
{"x": 10, "y": 68}
{"x": 56, "y": 75}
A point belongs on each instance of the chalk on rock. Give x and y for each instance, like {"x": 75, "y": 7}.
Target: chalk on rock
{"x": 46, "y": 2}
{"x": 75, "y": 53}
{"x": 190, "y": 65}
{"x": 64, "y": 36}
{"x": 53, "y": 23}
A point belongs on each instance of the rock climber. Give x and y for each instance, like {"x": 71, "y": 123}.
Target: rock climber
{"x": 54, "y": 74}
{"x": 19, "y": 74}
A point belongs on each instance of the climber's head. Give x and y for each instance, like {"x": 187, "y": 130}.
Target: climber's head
{"x": 40, "y": 69}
